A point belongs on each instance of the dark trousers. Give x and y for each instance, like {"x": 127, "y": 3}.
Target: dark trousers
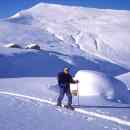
{"x": 64, "y": 91}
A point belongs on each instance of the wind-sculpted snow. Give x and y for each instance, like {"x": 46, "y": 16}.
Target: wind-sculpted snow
{"x": 92, "y": 83}
{"x": 31, "y": 63}
{"x": 125, "y": 78}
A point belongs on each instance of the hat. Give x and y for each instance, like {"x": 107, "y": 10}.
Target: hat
{"x": 66, "y": 69}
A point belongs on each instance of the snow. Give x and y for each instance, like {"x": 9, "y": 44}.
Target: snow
{"x": 94, "y": 43}
{"x": 9, "y": 45}
{"x": 32, "y": 46}
{"x": 125, "y": 78}
{"x": 93, "y": 83}
{"x": 12, "y": 45}
{"x": 31, "y": 100}
{"x": 93, "y": 24}
{"x": 91, "y": 29}
{"x": 114, "y": 119}
{"x": 17, "y": 15}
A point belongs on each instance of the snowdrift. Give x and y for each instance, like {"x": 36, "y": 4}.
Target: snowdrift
{"x": 92, "y": 83}
{"x": 125, "y": 78}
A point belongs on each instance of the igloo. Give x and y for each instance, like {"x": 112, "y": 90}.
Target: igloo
{"x": 92, "y": 83}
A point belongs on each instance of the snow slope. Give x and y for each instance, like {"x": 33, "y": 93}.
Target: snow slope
{"x": 30, "y": 101}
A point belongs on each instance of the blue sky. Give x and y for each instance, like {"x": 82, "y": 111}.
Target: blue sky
{"x": 10, "y": 7}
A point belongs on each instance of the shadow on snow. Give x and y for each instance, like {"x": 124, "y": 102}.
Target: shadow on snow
{"x": 48, "y": 64}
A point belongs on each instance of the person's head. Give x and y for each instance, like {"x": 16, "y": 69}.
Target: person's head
{"x": 66, "y": 70}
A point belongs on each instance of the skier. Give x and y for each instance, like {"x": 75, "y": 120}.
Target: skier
{"x": 64, "y": 80}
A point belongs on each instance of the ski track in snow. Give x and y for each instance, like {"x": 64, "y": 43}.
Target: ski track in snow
{"x": 94, "y": 114}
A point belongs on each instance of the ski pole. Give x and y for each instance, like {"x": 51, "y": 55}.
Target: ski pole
{"x": 78, "y": 93}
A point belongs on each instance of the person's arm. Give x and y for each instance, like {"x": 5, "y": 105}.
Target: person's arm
{"x": 72, "y": 80}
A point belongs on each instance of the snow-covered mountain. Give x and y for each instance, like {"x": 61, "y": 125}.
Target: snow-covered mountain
{"x": 84, "y": 38}
{"x": 95, "y": 30}
{"x": 95, "y": 40}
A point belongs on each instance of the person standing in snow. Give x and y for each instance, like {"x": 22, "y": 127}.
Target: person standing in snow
{"x": 64, "y": 80}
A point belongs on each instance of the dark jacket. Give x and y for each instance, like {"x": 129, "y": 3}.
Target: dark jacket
{"x": 65, "y": 80}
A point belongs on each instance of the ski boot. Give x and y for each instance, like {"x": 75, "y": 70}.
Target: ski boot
{"x": 70, "y": 107}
